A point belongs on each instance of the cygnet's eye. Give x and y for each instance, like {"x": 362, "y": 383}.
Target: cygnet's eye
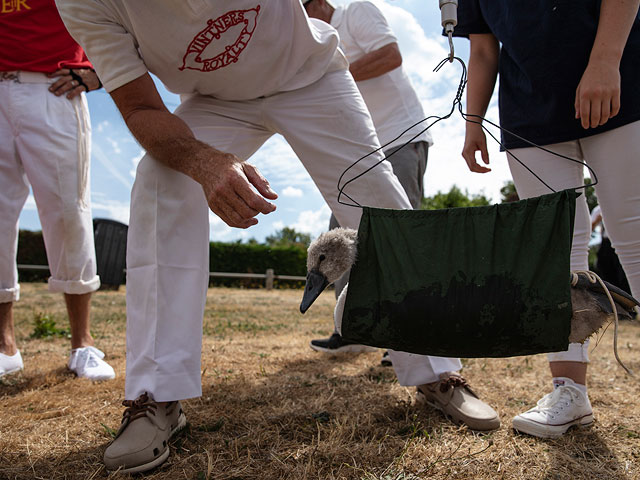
{"x": 322, "y": 257}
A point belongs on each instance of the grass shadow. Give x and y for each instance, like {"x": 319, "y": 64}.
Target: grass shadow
{"x": 582, "y": 454}
{"x": 19, "y": 382}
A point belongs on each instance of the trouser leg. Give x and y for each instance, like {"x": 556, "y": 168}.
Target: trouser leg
{"x": 409, "y": 164}
{"x": 615, "y": 155}
{"x": 558, "y": 173}
{"x": 167, "y": 273}
{"x": 14, "y": 190}
{"x": 168, "y": 257}
{"x": 54, "y": 146}
{"x": 329, "y": 128}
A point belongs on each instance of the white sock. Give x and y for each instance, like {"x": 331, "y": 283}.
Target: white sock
{"x": 559, "y": 381}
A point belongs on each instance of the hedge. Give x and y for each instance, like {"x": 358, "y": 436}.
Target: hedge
{"x": 31, "y": 252}
{"x": 223, "y": 257}
{"x": 256, "y": 258}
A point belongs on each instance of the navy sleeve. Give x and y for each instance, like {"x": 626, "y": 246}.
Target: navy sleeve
{"x": 470, "y": 19}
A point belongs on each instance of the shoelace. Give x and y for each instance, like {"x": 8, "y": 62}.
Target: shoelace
{"x": 565, "y": 393}
{"x": 138, "y": 408}
{"x": 452, "y": 382}
{"x": 87, "y": 359}
{"x": 593, "y": 278}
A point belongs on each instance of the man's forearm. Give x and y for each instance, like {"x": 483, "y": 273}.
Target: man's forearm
{"x": 376, "y": 63}
{"x": 227, "y": 182}
{"x": 161, "y": 133}
{"x": 168, "y": 139}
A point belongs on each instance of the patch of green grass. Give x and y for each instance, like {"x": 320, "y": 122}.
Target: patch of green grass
{"x": 381, "y": 376}
{"x": 110, "y": 431}
{"x": 628, "y": 433}
{"x": 44, "y": 326}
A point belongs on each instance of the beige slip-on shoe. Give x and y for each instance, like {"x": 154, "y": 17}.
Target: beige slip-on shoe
{"x": 453, "y": 396}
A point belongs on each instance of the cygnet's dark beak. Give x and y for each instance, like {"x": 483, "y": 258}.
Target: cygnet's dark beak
{"x": 316, "y": 283}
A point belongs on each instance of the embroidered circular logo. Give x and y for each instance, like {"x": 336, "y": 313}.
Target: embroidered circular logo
{"x": 214, "y": 32}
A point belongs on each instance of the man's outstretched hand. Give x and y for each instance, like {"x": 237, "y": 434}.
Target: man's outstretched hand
{"x": 227, "y": 182}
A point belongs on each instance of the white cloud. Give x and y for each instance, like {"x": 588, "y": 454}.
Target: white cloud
{"x": 102, "y": 126}
{"x": 107, "y": 161}
{"x": 135, "y": 161}
{"x": 30, "y": 204}
{"x": 115, "y": 145}
{"x": 112, "y": 209}
{"x": 421, "y": 53}
{"x": 313, "y": 221}
{"x": 277, "y": 162}
{"x": 220, "y": 231}
{"x": 292, "y": 192}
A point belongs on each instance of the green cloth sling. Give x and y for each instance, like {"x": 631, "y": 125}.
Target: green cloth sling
{"x": 464, "y": 282}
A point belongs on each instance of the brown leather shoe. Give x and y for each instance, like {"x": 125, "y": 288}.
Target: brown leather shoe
{"x": 142, "y": 442}
{"x": 453, "y": 396}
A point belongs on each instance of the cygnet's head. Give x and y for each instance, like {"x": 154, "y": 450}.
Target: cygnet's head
{"x": 329, "y": 257}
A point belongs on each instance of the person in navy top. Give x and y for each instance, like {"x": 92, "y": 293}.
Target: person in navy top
{"x": 569, "y": 77}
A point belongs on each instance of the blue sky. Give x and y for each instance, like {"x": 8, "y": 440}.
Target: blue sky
{"x": 416, "y": 23}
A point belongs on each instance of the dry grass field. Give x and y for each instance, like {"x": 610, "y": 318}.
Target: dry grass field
{"x": 274, "y": 409}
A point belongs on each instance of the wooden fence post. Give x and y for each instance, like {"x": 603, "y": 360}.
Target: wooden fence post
{"x": 268, "y": 282}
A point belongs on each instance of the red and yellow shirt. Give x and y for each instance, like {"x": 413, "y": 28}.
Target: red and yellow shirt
{"x": 33, "y": 38}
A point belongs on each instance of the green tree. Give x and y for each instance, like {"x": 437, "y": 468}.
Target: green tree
{"x": 288, "y": 237}
{"x": 454, "y": 198}
{"x": 590, "y": 192}
{"x": 508, "y": 192}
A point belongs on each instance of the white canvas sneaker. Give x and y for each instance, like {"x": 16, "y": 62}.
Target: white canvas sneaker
{"x": 87, "y": 362}
{"x": 556, "y": 412}
{"x": 10, "y": 363}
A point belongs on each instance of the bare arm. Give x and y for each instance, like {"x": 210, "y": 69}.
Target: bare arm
{"x": 483, "y": 70}
{"x": 598, "y": 93}
{"x": 376, "y": 63}
{"x": 225, "y": 179}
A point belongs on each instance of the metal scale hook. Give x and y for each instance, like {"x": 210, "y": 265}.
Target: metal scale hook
{"x": 449, "y": 17}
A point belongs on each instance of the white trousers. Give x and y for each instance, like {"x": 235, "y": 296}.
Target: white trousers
{"x": 615, "y": 158}
{"x": 45, "y": 141}
{"x": 328, "y": 126}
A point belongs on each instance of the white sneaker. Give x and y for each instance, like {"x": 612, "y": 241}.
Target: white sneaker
{"x": 10, "y": 363}
{"x": 556, "y": 412}
{"x": 87, "y": 362}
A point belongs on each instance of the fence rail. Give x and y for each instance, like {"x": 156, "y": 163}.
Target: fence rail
{"x": 269, "y": 276}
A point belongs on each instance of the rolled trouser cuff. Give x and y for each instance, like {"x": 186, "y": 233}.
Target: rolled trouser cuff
{"x": 577, "y": 352}
{"x": 10, "y": 294}
{"x": 74, "y": 287}
{"x": 413, "y": 369}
